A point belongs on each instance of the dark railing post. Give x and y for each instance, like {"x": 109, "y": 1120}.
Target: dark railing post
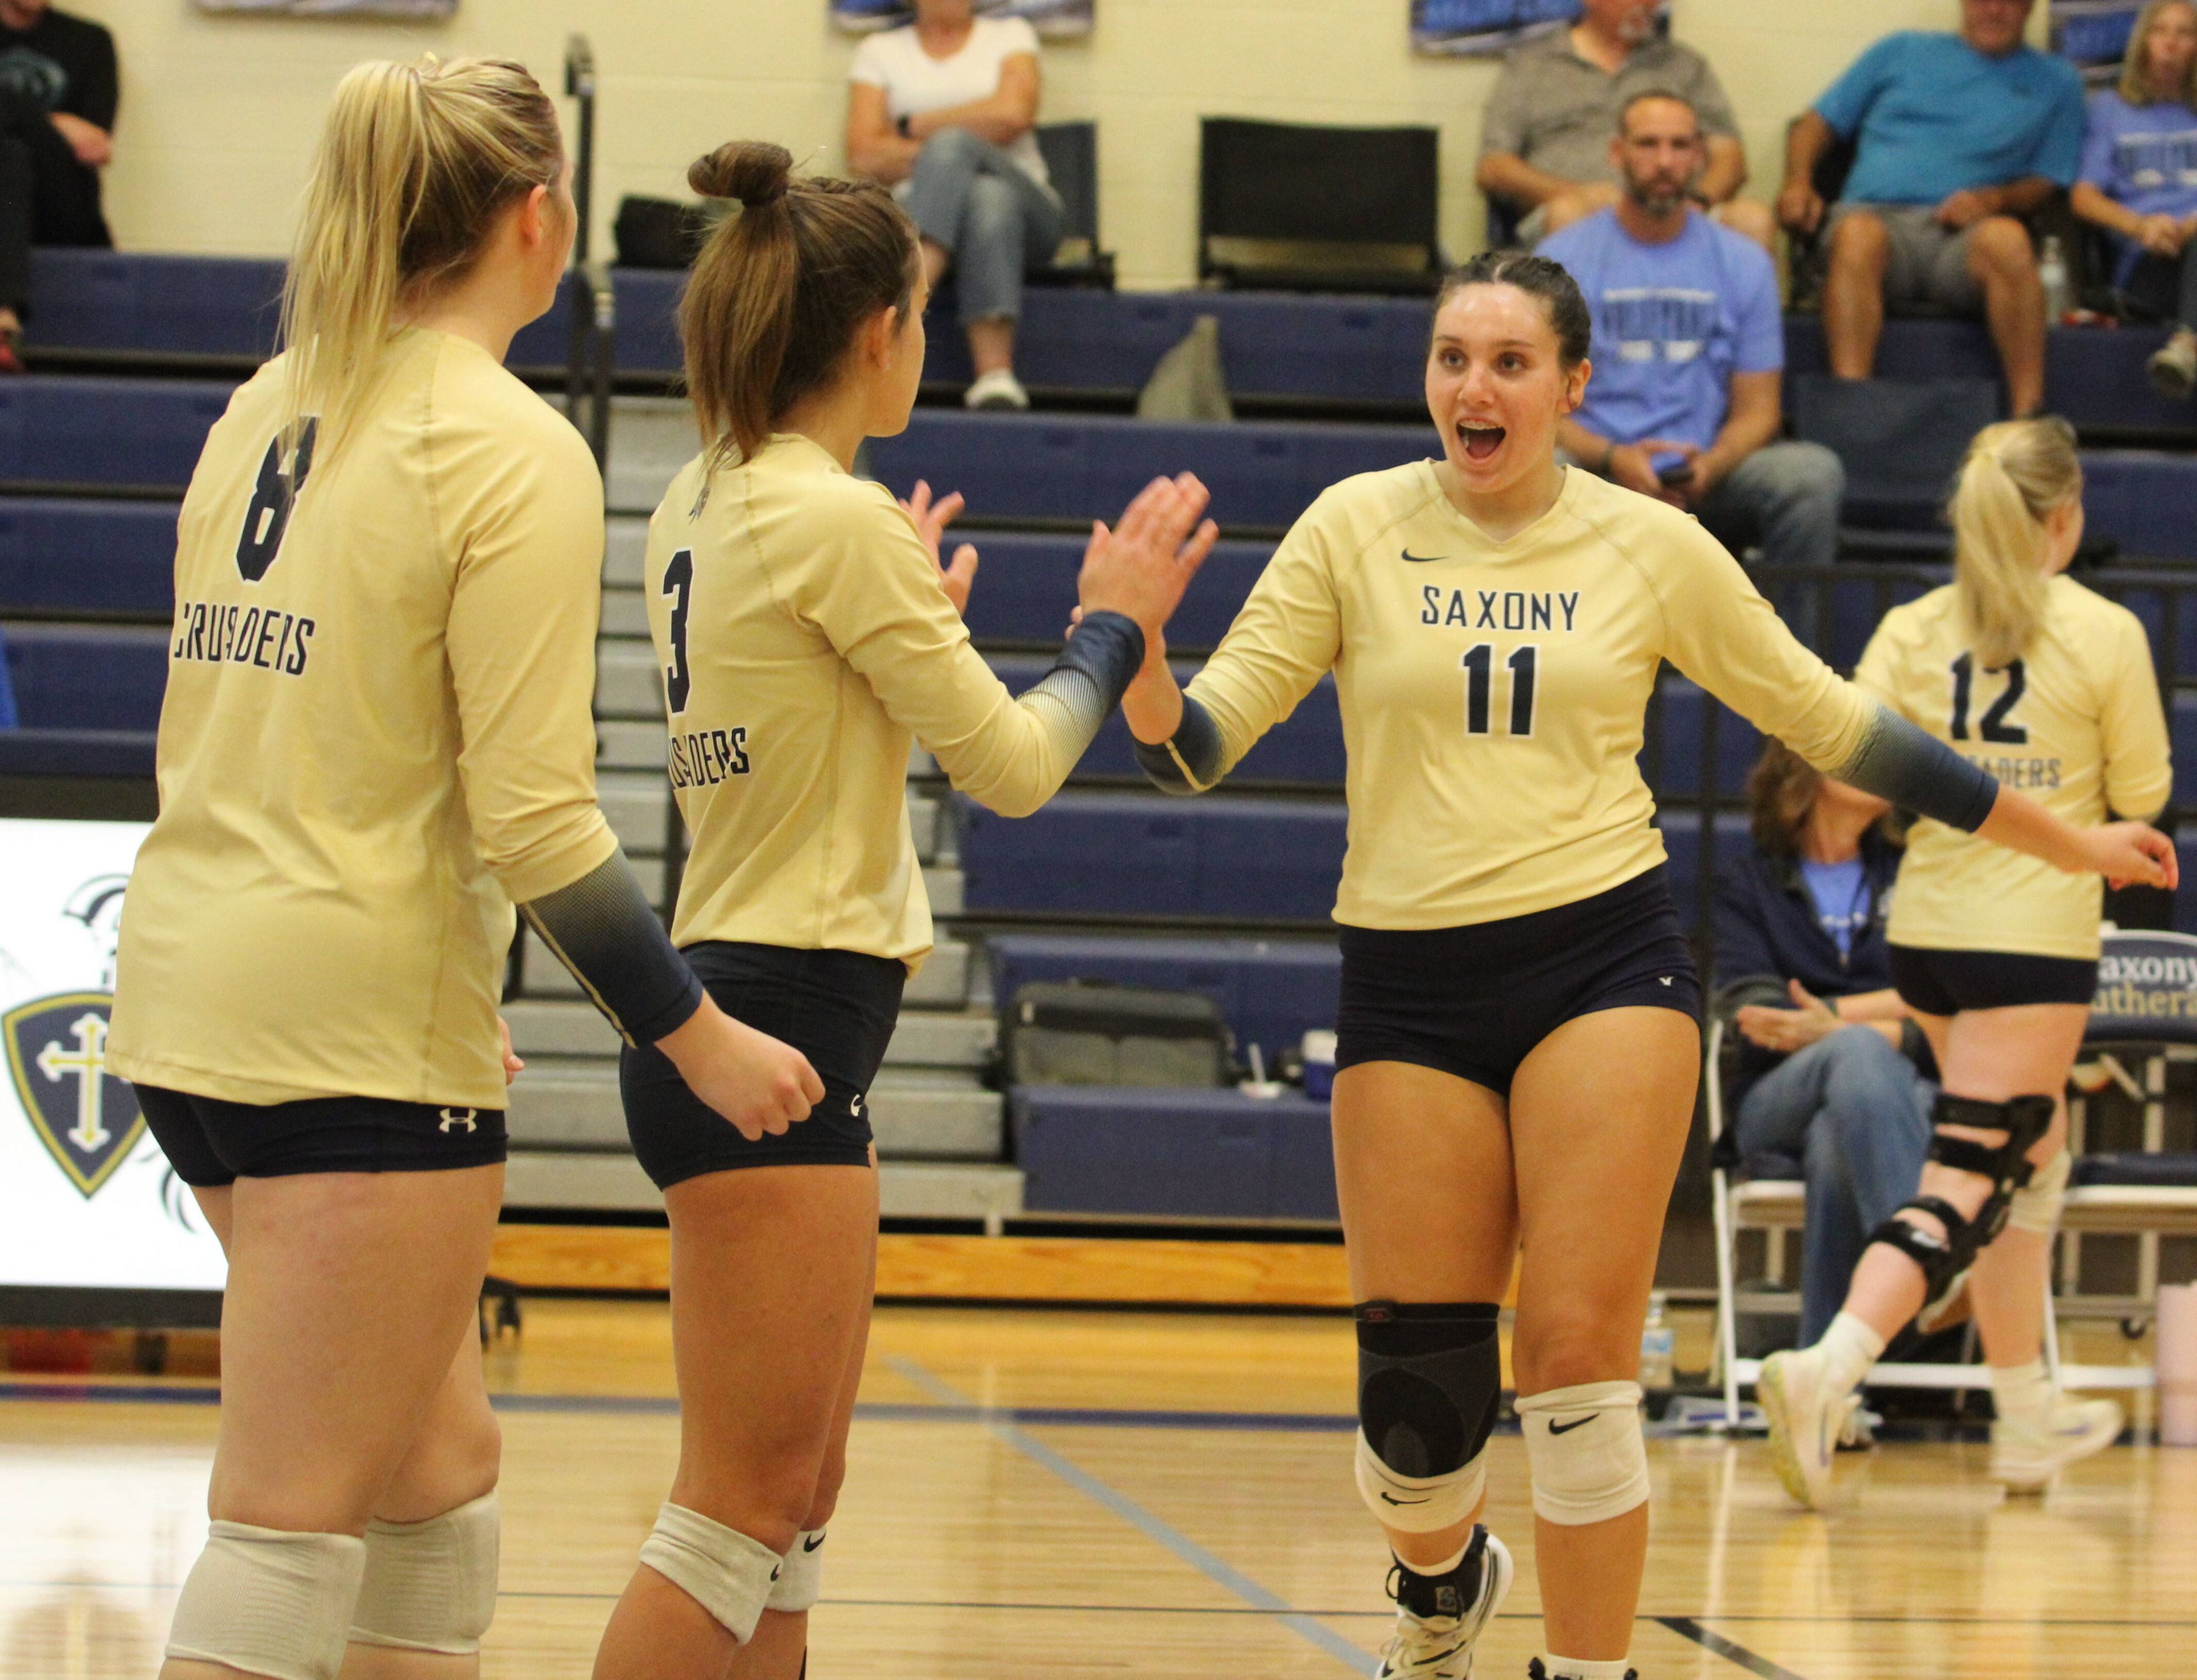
{"x": 580, "y": 86}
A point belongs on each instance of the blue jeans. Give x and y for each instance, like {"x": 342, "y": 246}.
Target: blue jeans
{"x": 1856, "y": 1114}
{"x": 1784, "y": 500}
{"x": 970, "y": 197}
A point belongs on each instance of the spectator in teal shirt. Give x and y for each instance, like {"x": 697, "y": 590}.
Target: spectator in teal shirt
{"x": 1957, "y": 137}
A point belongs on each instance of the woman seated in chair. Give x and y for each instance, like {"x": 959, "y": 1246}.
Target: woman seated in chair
{"x": 2139, "y": 183}
{"x": 944, "y": 111}
{"x": 1830, "y": 1073}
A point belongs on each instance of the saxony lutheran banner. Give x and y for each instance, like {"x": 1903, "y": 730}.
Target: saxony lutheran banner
{"x": 86, "y": 1197}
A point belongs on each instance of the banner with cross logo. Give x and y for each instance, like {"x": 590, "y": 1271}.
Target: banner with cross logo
{"x": 86, "y": 1117}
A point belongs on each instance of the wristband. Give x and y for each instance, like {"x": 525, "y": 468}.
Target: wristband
{"x": 901, "y": 124}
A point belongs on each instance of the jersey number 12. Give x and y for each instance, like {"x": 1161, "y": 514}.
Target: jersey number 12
{"x": 1996, "y": 728}
{"x": 679, "y": 584}
{"x": 1524, "y": 665}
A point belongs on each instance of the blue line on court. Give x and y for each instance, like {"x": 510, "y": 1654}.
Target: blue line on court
{"x": 1003, "y": 1425}
{"x": 1687, "y": 1628}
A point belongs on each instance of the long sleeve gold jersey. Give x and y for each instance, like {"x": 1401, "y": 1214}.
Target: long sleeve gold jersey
{"x": 378, "y": 734}
{"x": 2076, "y": 723}
{"x": 806, "y": 640}
{"x": 1494, "y": 694}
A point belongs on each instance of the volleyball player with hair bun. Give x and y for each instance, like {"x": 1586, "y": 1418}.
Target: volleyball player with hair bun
{"x": 378, "y": 739}
{"x": 2026, "y": 671}
{"x": 1520, "y": 1033}
{"x": 807, "y": 636}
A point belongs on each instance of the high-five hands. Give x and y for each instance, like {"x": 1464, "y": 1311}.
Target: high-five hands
{"x": 930, "y": 522}
{"x": 1141, "y": 566}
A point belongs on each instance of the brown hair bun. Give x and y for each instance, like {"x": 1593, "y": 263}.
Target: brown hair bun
{"x": 754, "y": 171}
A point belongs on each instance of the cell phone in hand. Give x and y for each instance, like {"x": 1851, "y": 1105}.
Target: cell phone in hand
{"x": 1676, "y": 475}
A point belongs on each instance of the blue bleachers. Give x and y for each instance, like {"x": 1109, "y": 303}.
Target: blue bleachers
{"x": 121, "y": 755}
{"x": 1147, "y": 855}
{"x": 1270, "y": 994}
{"x": 1084, "y": 467}
{"x": 111, "y": 302}
{"x": 87, "y": 556}
{"x": 105, "y": 431}
{"x": 77, "y": 677}
{"x": 1681, "y": 840}
{"x": 1027, "y": 588}
{"x": 1173, "y": 1154}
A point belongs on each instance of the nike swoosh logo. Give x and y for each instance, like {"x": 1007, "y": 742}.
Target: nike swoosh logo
{"x": 811, "y": 1545}
{"x": 1664, "y": 981}
{"x": 1392, "y": 1499}
{"x": 774, "y": 1573}
{"x": 1556, "y": 1429}
{"x": 1422, "y": 560}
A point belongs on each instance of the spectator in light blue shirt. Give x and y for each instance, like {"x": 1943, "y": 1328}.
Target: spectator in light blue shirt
{"x": 1686, "y": 403}
{"x": 2139, "y": 182}
{"x": 1957, "y": 136}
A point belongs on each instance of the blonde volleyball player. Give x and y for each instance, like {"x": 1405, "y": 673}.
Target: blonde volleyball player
{"x": 1519, "y": 1023}
{"x": 377, "y": 740}
{"x": 807, "y": 636}
{"x": 2026, "y": 672}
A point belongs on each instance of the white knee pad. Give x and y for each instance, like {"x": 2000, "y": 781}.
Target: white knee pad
{"x": 801, "y": 1577}
{"x": 2035, "y": 1207}
{"x": 1419, "y": 1504}
{"x": 1584, "y": 1448}
{"x": 268, "y": 1603}
{"x": 729, "y": 1574}
{"x": 431, "y": 1586}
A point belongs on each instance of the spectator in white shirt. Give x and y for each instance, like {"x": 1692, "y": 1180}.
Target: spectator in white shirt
{"x": 944, "y": 111}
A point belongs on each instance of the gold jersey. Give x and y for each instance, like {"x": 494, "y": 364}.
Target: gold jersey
{"x": 1493, "y": 694}
{"x": 806, "y": 640}
{"x": 2075, "y": 723}
{"x": 378, "y": 734}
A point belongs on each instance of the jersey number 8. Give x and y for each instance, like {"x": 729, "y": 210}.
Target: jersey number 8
{"x": 1997, "y": 727}
{"x": 272, "y": 500}
{"x": 1524, "y": 665}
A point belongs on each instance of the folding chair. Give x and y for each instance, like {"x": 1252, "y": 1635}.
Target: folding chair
{"x": 1299, "y": 207}
{"x": 1071, "y": 158}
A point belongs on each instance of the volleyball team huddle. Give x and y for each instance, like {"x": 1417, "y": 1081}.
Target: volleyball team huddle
{"x": 310, "y": 969}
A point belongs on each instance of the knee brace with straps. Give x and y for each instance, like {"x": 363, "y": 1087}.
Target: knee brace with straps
{"x": 1945, "y": 1261}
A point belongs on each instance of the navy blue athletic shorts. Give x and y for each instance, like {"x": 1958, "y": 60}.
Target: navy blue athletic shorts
{"x": 1946, "y": 983}
{"x": 211, "y": 1142}
{"x": 837, "y": 1008}
{"x": 1473, "y": 1002}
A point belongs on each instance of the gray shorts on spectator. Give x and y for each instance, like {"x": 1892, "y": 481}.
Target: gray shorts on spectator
{"x": 1928, "y": 263}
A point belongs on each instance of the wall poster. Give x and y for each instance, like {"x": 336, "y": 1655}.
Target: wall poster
{"x": 2094, "y": 34}
{"x": 1457, "y": 28}
{"x": 311, "y": 8}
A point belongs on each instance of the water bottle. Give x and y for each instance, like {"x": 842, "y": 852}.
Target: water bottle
{"x": 2052, "y": 270}
{"x": 1657, "y": 1344}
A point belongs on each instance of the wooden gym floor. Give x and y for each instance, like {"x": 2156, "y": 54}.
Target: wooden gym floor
{"x": 1117, "y": 1494}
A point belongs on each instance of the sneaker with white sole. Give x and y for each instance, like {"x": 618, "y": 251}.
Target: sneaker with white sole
{"x": 1806, "y": 1419}
{"x": 999, "y": 389}
{"x": 2173, "y": 367}
{"x": 2026, "y": 1458}
{"x": 1440, "y": 1617}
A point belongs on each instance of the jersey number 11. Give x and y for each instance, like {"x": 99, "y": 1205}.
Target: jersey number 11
{"x": 1524, "y": 665}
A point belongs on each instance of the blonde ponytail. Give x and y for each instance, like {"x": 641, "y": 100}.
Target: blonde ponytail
{"x": 2016, "y": 475}
{"x": 415, "y": 162}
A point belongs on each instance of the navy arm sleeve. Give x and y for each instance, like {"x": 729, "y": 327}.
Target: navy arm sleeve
{"x": 1918, "y": 773}
{"x": 602, "y": 928}
{"x": 1189, "y": 763}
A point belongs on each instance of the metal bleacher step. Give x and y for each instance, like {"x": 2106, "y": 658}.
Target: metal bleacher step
{"x": 625, "y": 615}
{"x": 652, "y": 438}
{"x": 941, "y": 983}
{"x": 923, "y": 1039}
{"x": 984, "y": 1191}
{"x": 920, "y": 1114}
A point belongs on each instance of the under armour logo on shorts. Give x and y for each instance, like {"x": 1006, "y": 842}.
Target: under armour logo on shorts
{"x": 454, "y": 1118}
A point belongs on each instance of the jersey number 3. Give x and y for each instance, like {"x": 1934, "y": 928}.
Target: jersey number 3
{"x": 272, "y": 499}
{"x": 1997, "y": 726}
{"x": 679, "y": 584}
{"x": 1524, "y": 665}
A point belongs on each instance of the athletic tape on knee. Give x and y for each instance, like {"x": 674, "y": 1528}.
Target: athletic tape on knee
{"x": 264, "y": 1601}
{"x": 2035, "y": 1207}
{"x": 1419, "y": 1504}
{"x": 1584, "y": 1447}
{"x": 729, "y": 1574}
{"x": 431, "y": 1586}
{"x": 800, "y": 1577}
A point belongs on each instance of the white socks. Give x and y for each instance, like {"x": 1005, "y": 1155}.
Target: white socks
{"x": 1849, "y": 1348}
{"x": 1435, "y": 1569}
{"x": 1577, "y": 1668}
{"x": 2022, "y": 1394}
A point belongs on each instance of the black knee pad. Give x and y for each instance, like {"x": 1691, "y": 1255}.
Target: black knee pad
{"x": 2024, "y": 1120}
{"x": 1429, "y": 1379}
{"x": 1944, "y": 1263}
